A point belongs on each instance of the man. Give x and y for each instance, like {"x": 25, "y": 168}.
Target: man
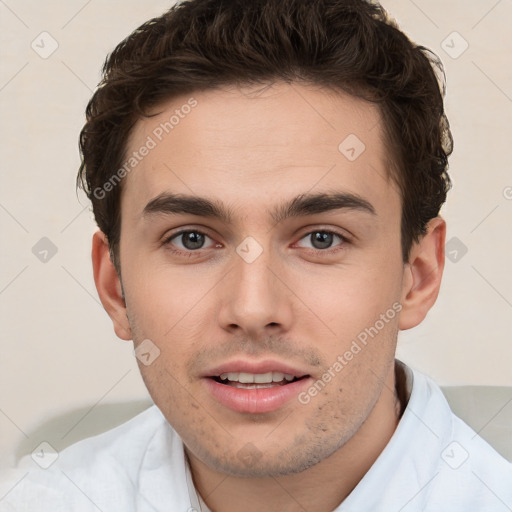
{"x": 267, "y": 178}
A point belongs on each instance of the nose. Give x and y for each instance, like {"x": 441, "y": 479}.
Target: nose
{"x": 255, "y": 298}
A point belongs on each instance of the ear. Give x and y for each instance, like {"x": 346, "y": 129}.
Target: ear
{"x": 108, "y": 285}
{"x": 422, "y": 275}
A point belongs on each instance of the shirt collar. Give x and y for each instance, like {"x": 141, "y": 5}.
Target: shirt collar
{"x": 410, "y": 461}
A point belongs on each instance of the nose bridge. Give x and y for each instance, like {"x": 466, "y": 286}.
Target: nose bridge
{"x": 254, "y": 281}
{"x": 255, "y": 297}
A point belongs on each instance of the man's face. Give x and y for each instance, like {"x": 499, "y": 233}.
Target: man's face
{"x": 263, "y": 292}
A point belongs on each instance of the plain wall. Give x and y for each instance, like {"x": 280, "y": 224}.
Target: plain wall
{"x": 59, "y": 351}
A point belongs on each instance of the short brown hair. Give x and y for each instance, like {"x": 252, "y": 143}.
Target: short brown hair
{"x": 347, "y": 45}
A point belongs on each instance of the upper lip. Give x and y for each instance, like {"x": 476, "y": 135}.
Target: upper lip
{"x": 245, "y": 366}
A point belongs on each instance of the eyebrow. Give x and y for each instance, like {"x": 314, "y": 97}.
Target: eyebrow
{"x": 302, "y": 205}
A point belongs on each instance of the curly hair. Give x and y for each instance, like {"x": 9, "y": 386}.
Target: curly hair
{"x": 347, "y": 45}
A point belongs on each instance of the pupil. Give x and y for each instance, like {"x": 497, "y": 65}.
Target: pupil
{"x": 192, "y": 240}
{"x": 322, "y": 239}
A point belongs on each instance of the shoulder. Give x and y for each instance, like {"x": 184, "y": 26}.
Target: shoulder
{"x": 467, "y": 473}
{"x": 120, "y": 446}
{"x": 102, "y": 471}
{"x": 433, "y": 462}
{"x": 471, "y": 474}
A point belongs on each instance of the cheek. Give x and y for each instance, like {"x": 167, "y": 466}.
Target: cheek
{"x": 350, "y": 300}
{"x": 168, "y": 390}
{"x": 163, "y": 298}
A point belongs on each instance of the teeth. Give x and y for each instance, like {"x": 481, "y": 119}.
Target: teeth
{"x": 245, "y": 378}
{"x": 263, "y": 378}
{"x": 256, "y": 378}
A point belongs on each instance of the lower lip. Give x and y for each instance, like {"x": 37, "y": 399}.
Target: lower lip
{"x": 255, "y": 400}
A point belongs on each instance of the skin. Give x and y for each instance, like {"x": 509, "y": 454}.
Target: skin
{"x": 253, "y": 149}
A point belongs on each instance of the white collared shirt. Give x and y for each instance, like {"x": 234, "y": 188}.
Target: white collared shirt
{"x": 434, "y": 462}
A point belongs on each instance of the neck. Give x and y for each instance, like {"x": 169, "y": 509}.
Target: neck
{"x": 323, "y": 486}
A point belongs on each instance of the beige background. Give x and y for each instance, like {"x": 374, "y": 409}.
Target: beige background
{"x": 59, "y": 352}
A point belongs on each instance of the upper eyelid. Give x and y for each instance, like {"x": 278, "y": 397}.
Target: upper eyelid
{"x": 344, "y": 233}
{"x": 330, "y": 231}
{"x": 167, "y": 238}
{"x": 343, "y": 236}
{"x": 203, "y": 231}
{"x": 344, "y": 240}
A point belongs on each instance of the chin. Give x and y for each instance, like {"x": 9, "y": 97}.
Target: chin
{"x": 250, "y": 462}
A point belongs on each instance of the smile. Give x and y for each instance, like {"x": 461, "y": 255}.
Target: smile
{"x": 244, "y": 380}
{"x": 255, "y": 392}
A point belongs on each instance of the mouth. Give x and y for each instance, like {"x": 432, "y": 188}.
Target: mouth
{"x": 244, "y": 380}
{"x": 255, "y": 388}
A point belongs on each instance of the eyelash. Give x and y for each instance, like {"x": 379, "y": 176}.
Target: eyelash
{"x": 191, "y": 253}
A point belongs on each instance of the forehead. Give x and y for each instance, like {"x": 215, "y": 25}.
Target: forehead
{"x": 256, "y": 145}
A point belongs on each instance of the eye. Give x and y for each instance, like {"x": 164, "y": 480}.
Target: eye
{"x": 322, "y": 239}
{"x": 187, "y": 241}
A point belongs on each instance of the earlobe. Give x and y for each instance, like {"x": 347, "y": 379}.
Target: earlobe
{"x": 422, "y": 275}
{"x": 109, "y": 286}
